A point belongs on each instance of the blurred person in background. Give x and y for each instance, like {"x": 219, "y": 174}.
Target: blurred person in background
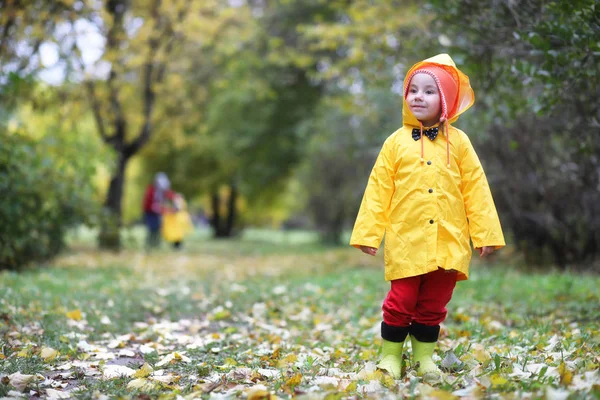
{"x": 156, "y": 200}
{"x": 176, "y": 222}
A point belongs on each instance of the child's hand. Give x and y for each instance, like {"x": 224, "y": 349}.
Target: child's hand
{"x": 485, "y": 251}
{"x": 368, "y": 250}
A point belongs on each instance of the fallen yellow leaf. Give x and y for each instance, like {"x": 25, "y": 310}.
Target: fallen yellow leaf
{"x": 497, "y": 381}
{"x": 287, "y": 360}
{"x": 221, "y": 315}
{"x": 481, "y": 354}
{"x": 441, "y": 395}
{"x": 259, "y": 392}
{"x": 48, "y": 353}
{"x": 26, "y": 352}
{"x": 229, "y": 362}
{"x": 294, "y": 381}
{"x": 566, "y": 376}
{"x": 74, "y": 314}
{"x": 367, "y": 354}
{"x": 388, "y": 381}
{"x": 351, "y": 387}
{"x": 144, "y": 371}
{"x": 142, "y": 384}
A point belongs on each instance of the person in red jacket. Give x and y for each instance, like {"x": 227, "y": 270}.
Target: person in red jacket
{"x": 156, "y": 198}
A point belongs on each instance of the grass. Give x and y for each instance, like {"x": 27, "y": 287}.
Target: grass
{"x": 276, "y": 314}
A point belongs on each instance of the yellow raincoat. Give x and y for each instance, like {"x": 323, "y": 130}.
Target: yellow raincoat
{"x": 428, "y": 210}
{"x": 177, "y": 223}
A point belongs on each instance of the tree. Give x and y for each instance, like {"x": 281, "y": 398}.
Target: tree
{"x": 361, "y": 54}
{"x": 249, "y": 137}
{"x": 535, "y": 67}
{"x": 152, "y": 45}
{"x": 339, "y": 160}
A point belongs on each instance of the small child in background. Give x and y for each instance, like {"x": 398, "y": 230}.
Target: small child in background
{"x": 177, "y": 223}
{"x": 158, "y": 194}
{"x": 429, "y": 194}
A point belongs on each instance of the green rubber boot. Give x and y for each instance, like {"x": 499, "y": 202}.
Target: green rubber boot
{"x": 422, "y": 353}
{"x": 391, "y": 358}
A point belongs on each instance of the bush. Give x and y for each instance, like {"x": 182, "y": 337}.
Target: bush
{"x": 44, "y": 192}
{"x": 545, "y": 181}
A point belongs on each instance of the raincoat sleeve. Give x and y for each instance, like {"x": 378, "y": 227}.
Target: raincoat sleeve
{"x": 373, "y": 214}
{"x": 484, "y": 224}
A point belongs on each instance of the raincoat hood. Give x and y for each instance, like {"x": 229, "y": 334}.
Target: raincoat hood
{"x": 465, "y": 97}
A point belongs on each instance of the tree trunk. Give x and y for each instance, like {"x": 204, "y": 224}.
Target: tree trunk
{"x": 231, "y": 212}
{"x": 223, "y": 228}
{"x": 109, "y": 237}
{"x": 215, "y": 221}
{"x": 334, "y": 229}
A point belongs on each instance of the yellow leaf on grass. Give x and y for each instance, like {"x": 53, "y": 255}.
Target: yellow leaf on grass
{"x": 74, "y": 314}
{"x": 481, "y": 354}
{"x": 141, "y": 384}
{"x": 368, "y": 354}
{"x": 459, "y": 317}
{"x": 339, "y": 354}
{"x": 144, "y": 371}
{"x": 26, "y": 352}
{"x": 167, "y": 379}
{"x": 498, "y": 380}
{"x": 221, "y": 315}
{"x": 294, "y": 380}
{"x": 259, "y": 392}
{"x": 351, "y": 387}
{"x": 441, "y": 395}
{"x": 229, "y": 362}
{"x": 566, "y": 376}
{"x": 388, "y": 381}
{"x": 376, "y": 375}
{"x": 48, "y": 353}
{"x": 276, "y": 354}
{"x": 287, "y": 360}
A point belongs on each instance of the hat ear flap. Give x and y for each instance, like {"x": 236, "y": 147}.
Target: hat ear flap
{"x": 450, "y": 87}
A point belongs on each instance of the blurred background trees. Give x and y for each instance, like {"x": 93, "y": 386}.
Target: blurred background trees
{"x": 271, "y": 113}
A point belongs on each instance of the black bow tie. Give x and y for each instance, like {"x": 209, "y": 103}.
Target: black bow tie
{"x": 430, "y": 133}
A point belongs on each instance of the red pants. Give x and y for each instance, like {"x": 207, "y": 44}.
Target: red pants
{"x": 421, "y": 299}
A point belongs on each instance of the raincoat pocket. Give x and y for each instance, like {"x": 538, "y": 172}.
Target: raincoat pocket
{"x": 394, "y": 246}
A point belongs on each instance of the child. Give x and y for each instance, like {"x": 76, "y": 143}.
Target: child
{"x": 156, "y": 197}
{"x": 177, "y": 223}
{"x": 428, "y": 195}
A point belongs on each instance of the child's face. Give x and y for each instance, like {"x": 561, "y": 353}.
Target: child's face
{"x": 423, "y": 99}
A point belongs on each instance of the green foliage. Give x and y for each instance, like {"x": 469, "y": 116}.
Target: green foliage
{"x": 338, "y": 162}
{"x": 43, "y": 193}
{"x": 536, "y": 73}
{"x": 250, "y": 134}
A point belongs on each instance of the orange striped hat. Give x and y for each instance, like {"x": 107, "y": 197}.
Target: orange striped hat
{"x": 447, "y": 85}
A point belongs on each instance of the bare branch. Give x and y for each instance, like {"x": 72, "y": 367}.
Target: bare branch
{"x": 96, "y": 109}
{"x": 113, "y": 40}
{"x": 5, "y": 34}
{"x": 150, "y": 76}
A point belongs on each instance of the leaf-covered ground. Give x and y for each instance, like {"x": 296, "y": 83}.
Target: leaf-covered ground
{"x": 264, "y": 321}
